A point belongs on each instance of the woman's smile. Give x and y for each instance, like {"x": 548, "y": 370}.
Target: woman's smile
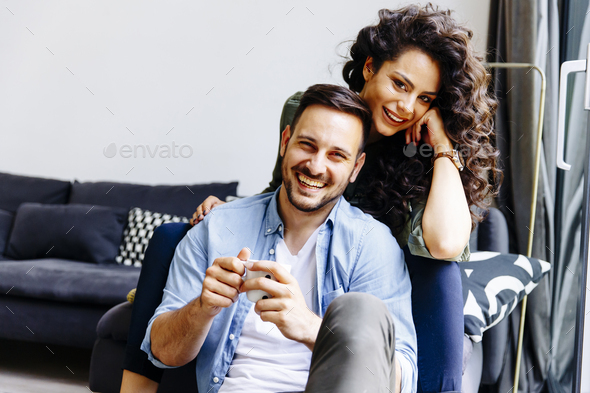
{"x": 393, "y": 117}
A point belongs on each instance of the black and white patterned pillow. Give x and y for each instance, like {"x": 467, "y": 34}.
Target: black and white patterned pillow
{"x": 140, "y": 228}
{"x": 493, "y": 284}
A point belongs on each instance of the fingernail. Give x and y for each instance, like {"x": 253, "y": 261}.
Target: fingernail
{"x": 200, "y": 217}
{"x": 249, "y": 264}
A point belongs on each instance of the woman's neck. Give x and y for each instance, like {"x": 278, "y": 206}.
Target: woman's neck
{"x": 374, "y": 136}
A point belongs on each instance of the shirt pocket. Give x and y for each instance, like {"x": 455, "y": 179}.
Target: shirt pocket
{"x": 328, "y": 297}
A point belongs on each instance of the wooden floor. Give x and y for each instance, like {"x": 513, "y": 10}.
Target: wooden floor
{"x": 32, "y": 368}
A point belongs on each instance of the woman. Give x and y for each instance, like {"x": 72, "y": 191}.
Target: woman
{"x": 417, "y": 71}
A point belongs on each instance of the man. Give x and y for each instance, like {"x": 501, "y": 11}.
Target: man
{"x": 361, "y": 344}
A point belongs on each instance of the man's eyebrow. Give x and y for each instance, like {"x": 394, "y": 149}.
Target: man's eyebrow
{"x": 409, "y": 82}
{"x": 312, "y": 139}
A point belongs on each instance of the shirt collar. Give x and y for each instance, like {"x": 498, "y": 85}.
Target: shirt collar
{"x": 273, "y": 222}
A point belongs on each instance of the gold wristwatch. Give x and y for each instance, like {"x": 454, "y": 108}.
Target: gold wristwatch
{"x": 453, "y": 155}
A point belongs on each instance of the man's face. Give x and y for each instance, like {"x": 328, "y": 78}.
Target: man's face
{"x": 320, "y": 158}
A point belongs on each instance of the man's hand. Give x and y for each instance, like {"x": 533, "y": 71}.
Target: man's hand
{"x": 287, "y": 308}
{"x": 221, "y": 286}
{"x": 177, "y": 336}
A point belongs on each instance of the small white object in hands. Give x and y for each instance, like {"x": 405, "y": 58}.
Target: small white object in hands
{"x": 258, "y": 294}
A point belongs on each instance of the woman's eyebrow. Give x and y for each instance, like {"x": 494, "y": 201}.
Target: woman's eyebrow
{"x": 409, "y": 82}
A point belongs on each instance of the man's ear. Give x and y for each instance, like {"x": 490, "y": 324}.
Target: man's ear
{"x": 368, "y": 70}
{"x": 357, "y": 167}
{"x": 285, "y": 136}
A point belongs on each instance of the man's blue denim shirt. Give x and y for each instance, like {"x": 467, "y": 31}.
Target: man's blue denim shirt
{"x": 354, "y": 252}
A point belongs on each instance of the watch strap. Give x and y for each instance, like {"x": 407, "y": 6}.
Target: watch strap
{"x": 453, "y": 155}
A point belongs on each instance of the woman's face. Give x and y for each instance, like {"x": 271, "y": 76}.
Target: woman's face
{"x": 401, "y": 92}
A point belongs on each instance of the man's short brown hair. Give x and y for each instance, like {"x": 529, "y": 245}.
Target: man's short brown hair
{"x": 339, "y": 98}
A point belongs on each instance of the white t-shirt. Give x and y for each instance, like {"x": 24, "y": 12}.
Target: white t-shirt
{"x": 266, "y": 361}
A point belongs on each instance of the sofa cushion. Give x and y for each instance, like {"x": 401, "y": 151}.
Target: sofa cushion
{"x": 140, "y": 229}
{"x": 67, "y": 281}
{"x": 493, "y": 284}
{"x": 6, "y": 219}
{"x": 15, "y": 189}
{"x": 78, "y": 232}
{"x": 178, "y": 200}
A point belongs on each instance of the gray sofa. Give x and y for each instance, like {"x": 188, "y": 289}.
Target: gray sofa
{"x": 58, "y": 243}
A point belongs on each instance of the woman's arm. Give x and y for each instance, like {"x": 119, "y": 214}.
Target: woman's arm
{"x": 446, "y": 223}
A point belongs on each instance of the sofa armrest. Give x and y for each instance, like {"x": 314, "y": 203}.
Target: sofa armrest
{"x": 114, "y": 324}
{"x": 492, "y": 233}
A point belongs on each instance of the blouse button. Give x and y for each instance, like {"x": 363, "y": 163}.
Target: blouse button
{"x": 215, "y": 380}
{"x": 231, "y": 336}
{"x": 272, "y": 251}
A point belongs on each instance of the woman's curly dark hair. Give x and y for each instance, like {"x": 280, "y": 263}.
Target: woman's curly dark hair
{"x": 466, "y": 104}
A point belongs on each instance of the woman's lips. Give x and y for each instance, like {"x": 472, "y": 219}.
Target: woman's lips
{"x": 390, "y": 120}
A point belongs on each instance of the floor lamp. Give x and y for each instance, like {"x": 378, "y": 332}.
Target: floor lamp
{"x": 537, "y": 165}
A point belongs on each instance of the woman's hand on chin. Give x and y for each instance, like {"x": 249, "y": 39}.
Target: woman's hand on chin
{"x": 433, "y": 132}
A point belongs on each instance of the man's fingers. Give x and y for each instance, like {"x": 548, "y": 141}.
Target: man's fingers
{"x": 281, "y": 273}
{"x": 234, "y": 264}
{"x": 225, "y": 276}
{"x": 272, "y": 304}
{"x": 273, "y": 288}
{"x": 213, "y": 299}
{"x": 276, "y": 317}
{"x": 244, "y": 254}
{"x": 221, "y": 288}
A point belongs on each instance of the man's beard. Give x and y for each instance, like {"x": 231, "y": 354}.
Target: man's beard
{"x": 308, "y": 207}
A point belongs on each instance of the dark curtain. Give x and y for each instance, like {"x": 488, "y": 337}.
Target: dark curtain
{"x": 526, "y": 32}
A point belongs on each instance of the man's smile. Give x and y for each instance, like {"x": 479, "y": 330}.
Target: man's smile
{"x": 310, "y": 183}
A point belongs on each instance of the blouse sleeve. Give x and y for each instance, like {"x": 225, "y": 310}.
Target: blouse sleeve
{"x": 289, "y": 110}
{"x": 416, "y": 243}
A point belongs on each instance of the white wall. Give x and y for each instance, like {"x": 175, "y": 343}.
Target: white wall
{"x": 76, "y": 76}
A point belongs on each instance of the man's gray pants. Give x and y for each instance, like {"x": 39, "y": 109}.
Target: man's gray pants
{"x": 355, "y": 348}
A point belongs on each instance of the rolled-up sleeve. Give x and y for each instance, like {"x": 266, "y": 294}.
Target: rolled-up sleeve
{"x": 416, "y": 243}
{"x": 381, "y": 271}
{"x": 185, "y": 281}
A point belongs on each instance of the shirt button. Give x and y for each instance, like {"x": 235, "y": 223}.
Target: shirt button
{"x": 231, "y": 336}
{"x": 268, "y": 230}
{"x": 215, "y": 380}
{"x": 272, "y": 251}
{"x": 280, "y": 228}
